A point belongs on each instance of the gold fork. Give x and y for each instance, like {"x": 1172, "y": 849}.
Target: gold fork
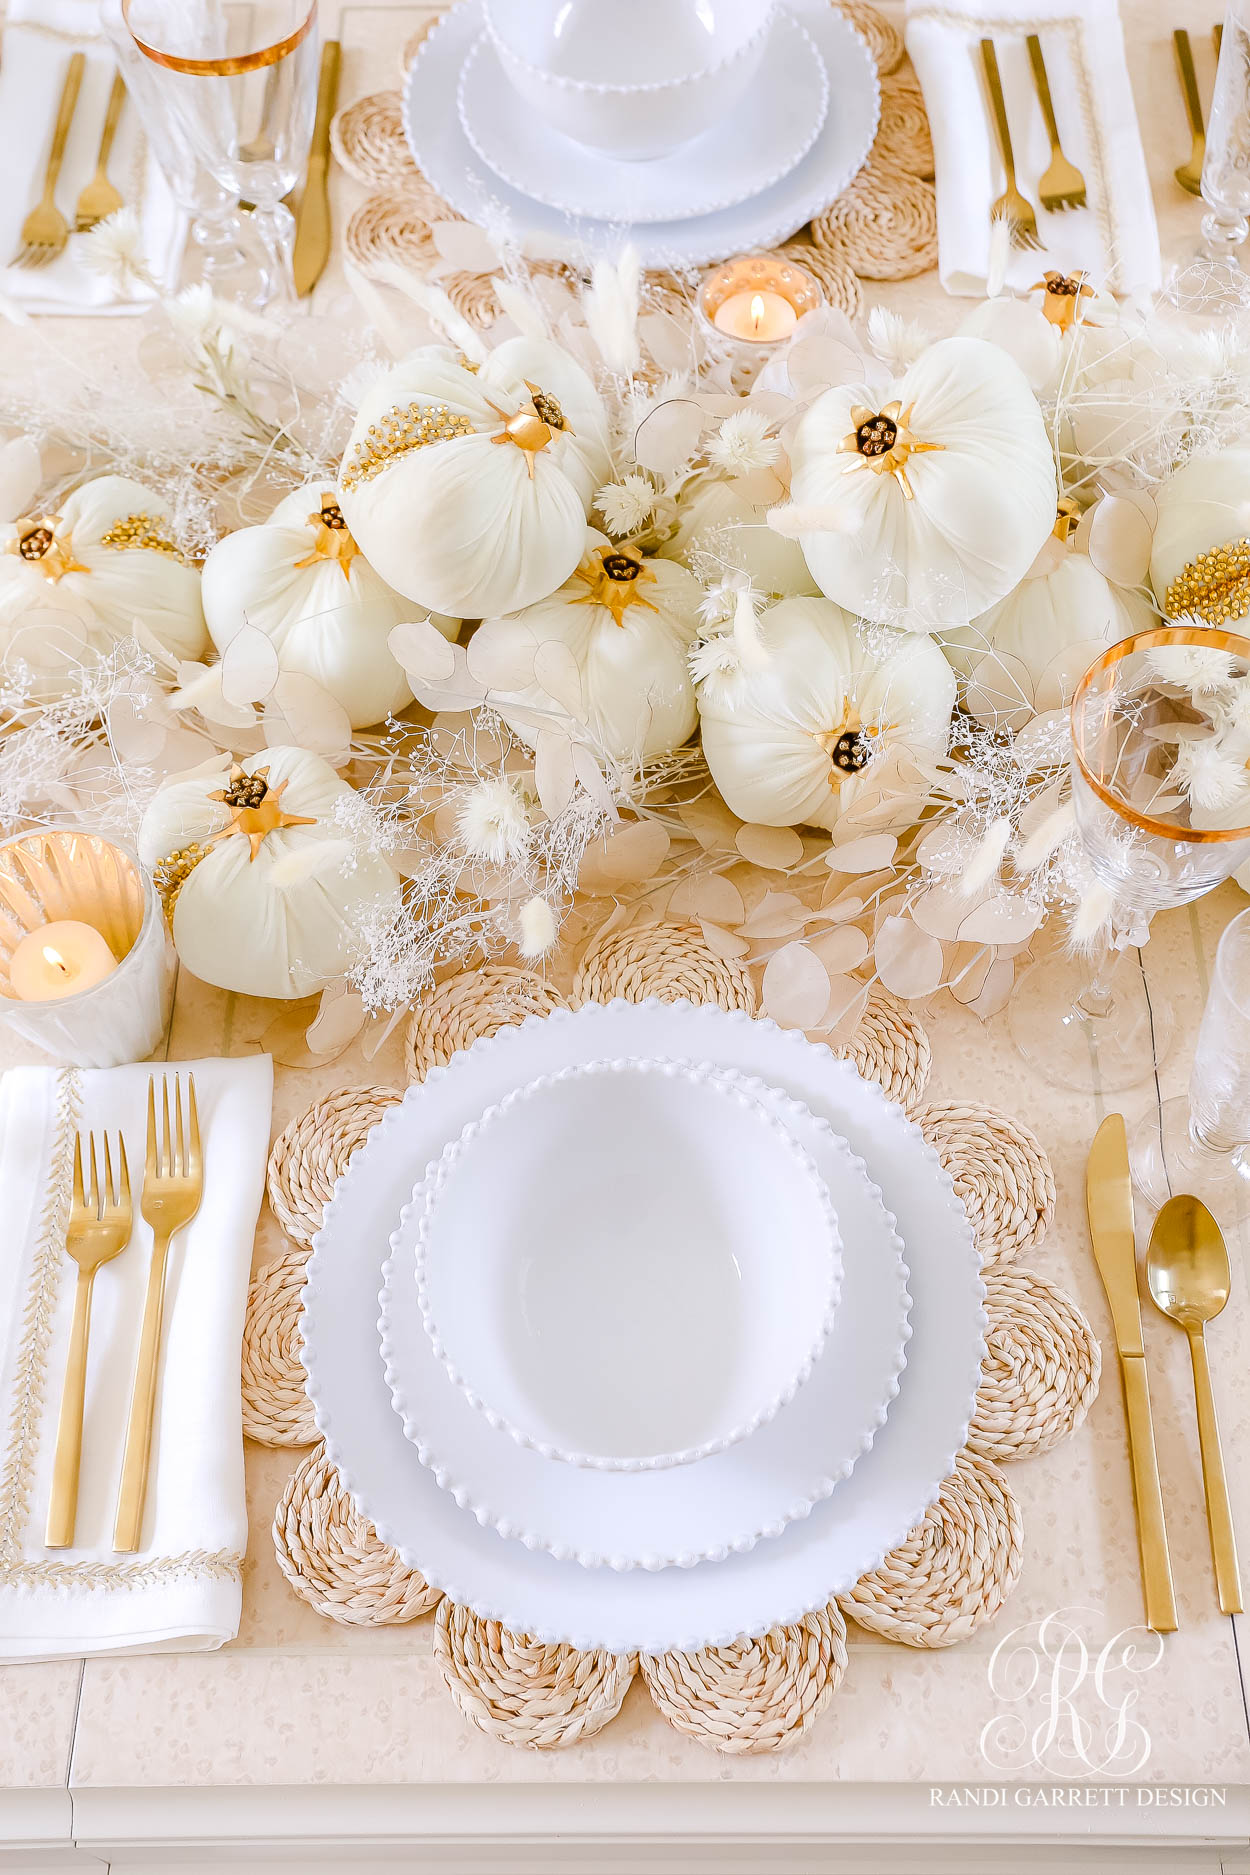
{"x": 1063, "y": 185}
{"x": 100, "y": 198}
{"x": 1189, "y": 174}
{"x": 45, "y": 230}
{"x": 173, "y": 1182}
{"x": 1011, "y": 206}
{"x": 99, "y": 1229}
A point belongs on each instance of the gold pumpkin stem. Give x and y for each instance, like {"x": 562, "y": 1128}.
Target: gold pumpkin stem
{"x": 882, "y": 441}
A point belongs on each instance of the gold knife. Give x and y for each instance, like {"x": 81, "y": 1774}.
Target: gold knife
{"x": 312, "y": 217}
{"x": 1109, "y": 1203}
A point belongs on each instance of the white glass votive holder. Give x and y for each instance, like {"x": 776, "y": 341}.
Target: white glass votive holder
{"x": 58, "y": 874}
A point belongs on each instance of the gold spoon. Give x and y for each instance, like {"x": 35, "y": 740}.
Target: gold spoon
{"x": 1187, "y": 1269}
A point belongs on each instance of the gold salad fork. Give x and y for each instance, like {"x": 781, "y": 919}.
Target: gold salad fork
{"x": 1189, "y": 174}
{"x": 1063, "y": 185}
{"x": 45, "y": 230}
{"x": 100, "y": 198}
{"x": 99, "y": 1229}
{"x": 1011, "y": 206}
{"x": 173, "y": 1183}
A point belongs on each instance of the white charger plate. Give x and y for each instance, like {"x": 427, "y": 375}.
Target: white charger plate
{"x": 531, "y": 1592}
{"x": 444, "y": 154}
{"x": 771, "y": 130}
{"x": 721, "y": 1505}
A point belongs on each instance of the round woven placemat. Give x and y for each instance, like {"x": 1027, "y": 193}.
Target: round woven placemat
{"x": 1000, "y": 1172}
{"x": 669, "y": 961}
{"x": 954, "y": 1571}
{"x": 414, "y": 42}
{"x": 758, "y": 1695}
{"x": 312, "y": 1152}
{"x": 276, "y": 1409}
{"x": 332, "y": 1558}
{"x": 471, "y": 1007}
{"x": 890, "y": 1047}
{"x": 883, "y": 39}
{"x": 835, "y": 272}
{"x": 525, "y": 1692}
{"x": 886, "y": 220}
{"x": 368, "y": 140}
{"x": 903, "y": 134}
{"x": 392, "y": 226}
{"x": 1041, "y": 1367}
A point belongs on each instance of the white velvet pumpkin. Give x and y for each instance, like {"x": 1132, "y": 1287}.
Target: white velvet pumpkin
{"x": 301, "y": 579}
{"x": 1028, "y": 652}
{"x": 282, "y": 920}
{"x": 792, "y": 736}
{"x": 971, "y": 444}
{"x": 1204, "y": 505}
{"x": 493, "y": 517}
{"x": 75, "y": 581}
{"x": 629, "y": 636}
{"x": 723, "y": 519}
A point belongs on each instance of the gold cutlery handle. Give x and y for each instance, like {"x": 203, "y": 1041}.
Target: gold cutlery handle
{"x": 63, "y": 1503}
{"x": 327, "y": 90}
{"x": 117, "y": 97}
{"x": 1189, "y": 80}
{"x": 1215, "y": 1484}
{"x": 989, "y": 59}
{"x": 64, "y": 117}
{"x": 1042, "y": 83}
{"x": 1152, "y": 1536}
{"x": 132, "y": 1492}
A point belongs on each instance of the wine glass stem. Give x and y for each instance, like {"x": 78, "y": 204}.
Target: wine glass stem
{"x": 275, "y": 225}
{"x": 1097, "y": 999}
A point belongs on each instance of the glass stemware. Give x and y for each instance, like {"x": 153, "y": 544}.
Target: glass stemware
{"x": 1146, "y": 844}
{"x": 1226, "y": 165}
{"x": 245, "y": 105}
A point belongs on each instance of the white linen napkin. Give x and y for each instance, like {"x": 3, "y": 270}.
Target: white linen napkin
{"x": 1114, "y": 239}
{"x": 40, "y": 38}
{"x": 183, "y": 1588}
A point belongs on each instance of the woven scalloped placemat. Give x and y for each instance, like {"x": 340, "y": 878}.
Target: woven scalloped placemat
{"x": 312, "y": 1152}
{"x": 392, "y": 226}
{"x": 1000, "y": 1172}
{"x": 333, "y": 1559}
{"x": 1041, "y": 1367}
{"x": 525, "y": 1692}
{"x": 953, "y": 1572}
{"x": 470, "y": 1007}
{"x": 672, "y": 962}
{"x": 880, "y": 35}
{"x": 903, "y": 135}
{"x": 368, "y": 140}
{"x": 760, "y": 1695}
{"x": 886, "y": 219}
{"x": 276, "y": 1408}
{"x": 890, "y": 1047}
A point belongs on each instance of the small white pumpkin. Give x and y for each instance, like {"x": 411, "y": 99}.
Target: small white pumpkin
{"x": 1203, "y": 507}
{"x": 103, "y": 561}
{"x": 267, "y": 897}
{"x": 930, "y": 504}
{"x": 302, "y": 580}
{"x": 792, "y": 735}
{"x": 468, "y": 490}
{"x": 719, "y": 517}
{"x": 629, "y": 622}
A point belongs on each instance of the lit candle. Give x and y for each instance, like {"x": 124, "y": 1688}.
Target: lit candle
{"x": 763, "y": 318}
{"x": 758, "y": 299}
{"x": 59, "y": 960}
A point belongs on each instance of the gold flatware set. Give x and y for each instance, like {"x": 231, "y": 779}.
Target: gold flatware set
{"x": 1188, "y": 1276}
{"x": 1062, "y": 186}
{"x": 99, "y": 1229}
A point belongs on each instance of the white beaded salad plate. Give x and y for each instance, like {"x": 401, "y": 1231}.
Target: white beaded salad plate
{"x": 444, "y": 154}
{"x": 554, "y": 1600}
{"x": 782, "y": 115}
{"x": 722, "y": 1504}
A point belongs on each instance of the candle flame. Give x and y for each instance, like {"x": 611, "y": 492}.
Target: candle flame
{"x": 757, "y": 310}
{"x": 54, "y": 957}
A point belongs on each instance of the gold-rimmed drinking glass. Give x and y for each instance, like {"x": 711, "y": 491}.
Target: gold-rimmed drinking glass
{"x": 1090, "y": 1024}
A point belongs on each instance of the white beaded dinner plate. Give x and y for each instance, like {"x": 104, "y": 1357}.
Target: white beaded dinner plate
{"x": 782, "y": 115}
{"x": 778, "y": 1581}
{"x": 449, "y": 162}
{"x": 720, "y": 1505}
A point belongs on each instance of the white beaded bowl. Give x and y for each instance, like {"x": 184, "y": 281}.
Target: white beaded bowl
{"x": 636, "y": 80}
{"x": 627, "y": 1265}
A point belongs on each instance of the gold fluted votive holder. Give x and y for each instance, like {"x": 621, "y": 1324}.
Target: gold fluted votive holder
{"x": 57, "y": 875}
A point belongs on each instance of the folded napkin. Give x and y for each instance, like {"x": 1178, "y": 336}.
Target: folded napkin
{"x": 182, "y": 1590}
{"x": 40, "y": 38}
{"x": 1115, "y": 239}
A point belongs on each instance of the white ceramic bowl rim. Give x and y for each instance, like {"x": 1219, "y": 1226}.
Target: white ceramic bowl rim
{"x": 428, "y": 1191}
{"x": 597, "y": 88}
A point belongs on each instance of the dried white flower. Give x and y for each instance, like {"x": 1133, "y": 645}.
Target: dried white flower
{"x": 537, "y": 928}
{"x": 742, "y": 443}
{"x": 492, "y": 823}
{"x": 627, "y": 504}
{"x": 1199, "y": 668}
{"x": 1234, "y": 709}
{"x": 114, "y": 250}
{"x": 716, "y": 666}
{"x": 719, "y": 603}
{"x": 1210, "y": 776}
{"x": 896, "y": 341}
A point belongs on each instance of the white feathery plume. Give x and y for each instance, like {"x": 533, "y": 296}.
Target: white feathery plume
{"x": 492, "y": 822}
{"x": 1047, "y": 838}
{"x": 794, "y": 518}
{"x": 522, "y": 307}
{"x": 987, "y": 858}
{"x": 435, "y": 304}
{"x": 1000, "y": 254}
{"x": 1092, "y": 912}
{"x": 610, "y": 304}
{"x": 746, "y": 630}
{"x": 537, "y": 928}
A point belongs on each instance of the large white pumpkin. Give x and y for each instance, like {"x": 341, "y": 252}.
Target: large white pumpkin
{"x": 302, "y": 580}
{"x": 723, "y": 521}
{"x": 791, "y": 738}
{"x": 75, "y": 581}
{"x": 935, "y": 499}
{"x": 628, "y": 622}
{"x": 468, "y": 489}
{"x": 1203, "y": 507}
{"x": 256, "y": 907}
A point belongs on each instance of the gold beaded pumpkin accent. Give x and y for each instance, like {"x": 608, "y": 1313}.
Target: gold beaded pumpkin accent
{"x": 170, "y": 874}
{"x": 141, "y": 530}
{"x": 1215, "y": 587}
{"x": 398, "y": 433}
